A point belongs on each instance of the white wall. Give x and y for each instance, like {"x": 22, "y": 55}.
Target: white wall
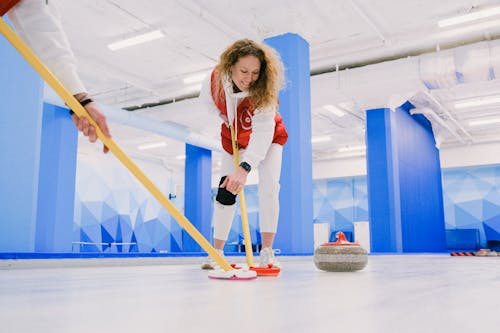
{"x": 354, "y": 166}
{"x": 480, "y": 154}
{"x": 477, "y": 154}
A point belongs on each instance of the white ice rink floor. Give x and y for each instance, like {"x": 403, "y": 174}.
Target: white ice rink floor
{"x": 394, "y": 293}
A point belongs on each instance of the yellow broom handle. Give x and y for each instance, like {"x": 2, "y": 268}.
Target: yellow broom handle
{"x": 74, "y": 105}
{"x": 243, "y": 207}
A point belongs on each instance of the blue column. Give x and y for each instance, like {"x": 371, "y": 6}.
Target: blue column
{"x": 404, "y": 183}
{"x": 295, "y": 228}
{"x": 197, "y": 194}
{"x": 56, "y": 189}
{"x": 383, "y": 183}
{"x": 21, "y": 92}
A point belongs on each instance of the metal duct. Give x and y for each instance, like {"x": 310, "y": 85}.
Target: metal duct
{"x": 467, "y": 64}
{"x": 169, "y": 129}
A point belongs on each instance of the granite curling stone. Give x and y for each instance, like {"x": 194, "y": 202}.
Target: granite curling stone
{"x": 340, "y": 256}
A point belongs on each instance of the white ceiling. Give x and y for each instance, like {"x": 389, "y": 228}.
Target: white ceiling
{"x": 363, "y": 54}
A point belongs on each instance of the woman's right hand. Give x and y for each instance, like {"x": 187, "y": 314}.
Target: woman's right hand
{"x": 234, "y": 183}
{"x": 84, "y": 126}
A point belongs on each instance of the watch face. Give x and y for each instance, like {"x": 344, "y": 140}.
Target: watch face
{"x": 246, "y": 166}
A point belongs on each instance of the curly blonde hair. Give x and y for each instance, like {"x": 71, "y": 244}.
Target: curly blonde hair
{"x": 264, "y": 91}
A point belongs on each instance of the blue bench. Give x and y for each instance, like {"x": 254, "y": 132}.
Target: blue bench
{"x": 462, "y": 239}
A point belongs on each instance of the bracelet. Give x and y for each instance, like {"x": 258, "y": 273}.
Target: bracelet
{"x": 82, "y": 103}
{"x": 86, "y": 101}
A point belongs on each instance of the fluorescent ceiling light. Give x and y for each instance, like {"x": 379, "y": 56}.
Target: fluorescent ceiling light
{"x": 147, "y": 37}
{"x": 333, "y": 109}
{"x": 487, "y": 12}
{"x": 152, "y": 145}
{"x": 477, "y": 102}
{"x": 484, "y": 122}
{"x": 323, "y": 138}
{"x": 194, "y": 78}
{"x": 351, "y": 148}
{"x": 483, "y": 26}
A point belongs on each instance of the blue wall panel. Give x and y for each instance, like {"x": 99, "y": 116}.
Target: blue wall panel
{"x": 404, "y": 177}
{"x": 472, "y": 201}
{"x": 21, "y": 92}
{"x": 421, "y": 195}
{"x": 383, "y": 183}
{"x": 197, "y": 194}
{"x": 56, "y": 189}
{"x": 295, "y": 228}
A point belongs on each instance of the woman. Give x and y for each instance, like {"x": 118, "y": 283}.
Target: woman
{"x": 243, "y": 89}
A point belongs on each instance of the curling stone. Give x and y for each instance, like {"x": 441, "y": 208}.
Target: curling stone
{"x": 340, "y": 256}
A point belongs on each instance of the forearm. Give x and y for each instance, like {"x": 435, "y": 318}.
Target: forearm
{"x": 261, "y": 138}
{"x": 38, "y": 24}
{"x": 211, "y": 123}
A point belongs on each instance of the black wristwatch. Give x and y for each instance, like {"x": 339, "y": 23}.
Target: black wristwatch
{"x": 246, "y": 166}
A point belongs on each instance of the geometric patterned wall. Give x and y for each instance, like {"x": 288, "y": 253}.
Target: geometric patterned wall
{"x": 340, "y": 202}
{"x": 111, "y": 206}
{"x": 472, "y": 200}
{"x": 115, "y": 213}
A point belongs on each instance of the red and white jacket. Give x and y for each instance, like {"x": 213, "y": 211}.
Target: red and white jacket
{"x": 256, "y": 129}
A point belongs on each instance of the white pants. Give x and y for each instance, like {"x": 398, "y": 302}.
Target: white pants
{"x": 269, "y": 187}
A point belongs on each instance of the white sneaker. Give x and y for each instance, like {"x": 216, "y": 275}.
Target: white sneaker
{"x": 209, "y": 263}
{"x": 234, "y": 274}
{"x": 267, "y": 257}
